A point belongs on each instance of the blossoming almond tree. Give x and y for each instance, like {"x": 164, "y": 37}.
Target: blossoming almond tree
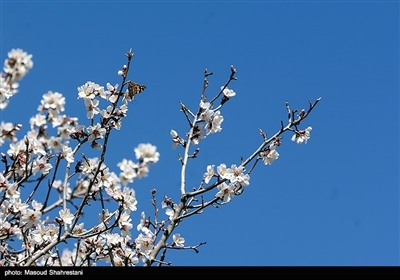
{"x": 35, "y": 221}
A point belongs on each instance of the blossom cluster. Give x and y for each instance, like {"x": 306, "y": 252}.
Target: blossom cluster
{"x": 36, "y": 158}
{"x": 16, "y": 66}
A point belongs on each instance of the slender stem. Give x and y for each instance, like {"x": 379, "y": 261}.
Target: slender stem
{"x": 186, "y": 156}
{"x": 167, "y": 232}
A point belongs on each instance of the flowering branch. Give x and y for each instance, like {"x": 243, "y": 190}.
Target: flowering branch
{"x": 235, "y": 175}
{"x": 40, "y": 156}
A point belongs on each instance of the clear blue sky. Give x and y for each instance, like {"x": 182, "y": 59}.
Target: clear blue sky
{"x": 333, "y": 201}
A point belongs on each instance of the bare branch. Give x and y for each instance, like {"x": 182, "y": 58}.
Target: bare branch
{"x": 187, "y": 247}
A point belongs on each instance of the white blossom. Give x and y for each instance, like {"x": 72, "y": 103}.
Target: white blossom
{"x": 67, "y": 154}
{"x": 269, "y": 155}
{"x": 178, "y": 240}
{"x": 209, "y": 174}
{"x": 225, "y": 192}
{"x": 96, "y": 132}
{"x": 302, "y": 136}
{"x": 228, "y": 92}
{"x": 66, "y": 216}
{"x": 147, "y": 153}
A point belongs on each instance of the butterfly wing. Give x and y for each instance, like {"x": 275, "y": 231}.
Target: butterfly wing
{"x": 135, "y": 89}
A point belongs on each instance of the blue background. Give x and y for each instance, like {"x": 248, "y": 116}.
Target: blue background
{"x": 333, "y": 201}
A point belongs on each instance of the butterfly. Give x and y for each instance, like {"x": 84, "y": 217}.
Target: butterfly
{"x": 135, "y": 89}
